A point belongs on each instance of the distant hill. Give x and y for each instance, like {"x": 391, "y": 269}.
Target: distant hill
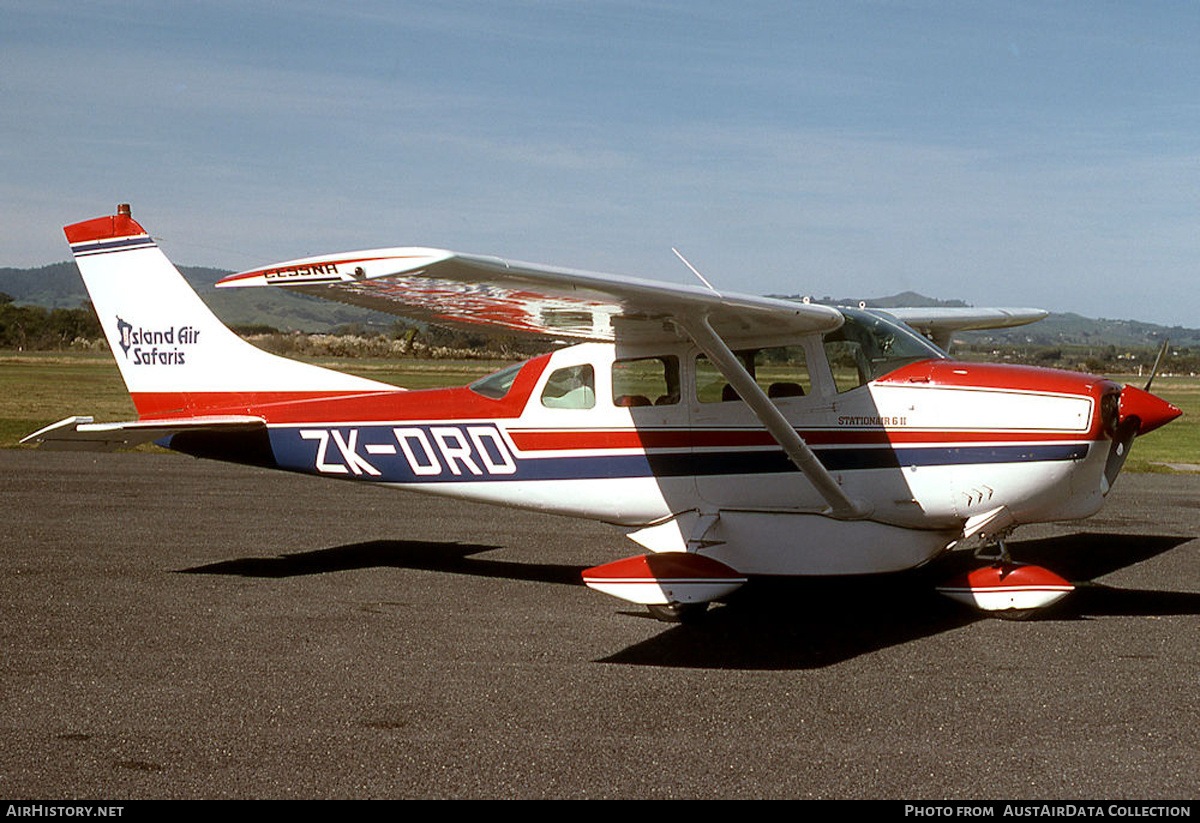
{"x": 1059, "y": 329}
{"x": 59, "y": 286}
{"x": 1074, "y": 330}
{"x": 56, "y": 286}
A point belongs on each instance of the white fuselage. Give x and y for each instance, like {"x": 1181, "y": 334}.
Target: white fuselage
{"x": 690, "y": 471}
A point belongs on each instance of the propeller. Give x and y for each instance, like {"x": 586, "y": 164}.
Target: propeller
{"x": 1138, "y": 412}
{"x": 1162, "y": 350}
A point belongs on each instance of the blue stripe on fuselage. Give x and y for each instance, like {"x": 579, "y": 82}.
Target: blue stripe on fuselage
{"x": 480, "y": 452}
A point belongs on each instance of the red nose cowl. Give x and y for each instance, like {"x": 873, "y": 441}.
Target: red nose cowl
{"x": 1151, "y": 411}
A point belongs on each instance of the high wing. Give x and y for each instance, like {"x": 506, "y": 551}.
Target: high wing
{"x": 459, "y": 289}
{"x": 940, "y": 324}
{"x": 455, "y": 289}
{"x": 465, "y": 290}
{"x": 469, "y": 291}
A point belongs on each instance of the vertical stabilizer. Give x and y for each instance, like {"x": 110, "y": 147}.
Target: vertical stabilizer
{"x": 175, "y": 356}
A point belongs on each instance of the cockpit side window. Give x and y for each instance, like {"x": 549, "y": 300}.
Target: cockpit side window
{"x": 847, "y": 363}
{"x": 572, "y": 387}
{"x": 868, "y": 346}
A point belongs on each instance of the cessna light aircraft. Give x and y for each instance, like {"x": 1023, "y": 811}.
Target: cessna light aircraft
{"x": 729, "y": 435}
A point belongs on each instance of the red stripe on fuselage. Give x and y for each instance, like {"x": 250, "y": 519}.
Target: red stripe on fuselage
{"x": 999, "y": 376}
{"x": 297, "y": 407}
{"x": 581, "y": 439}
{"x": 1002, "y": 377}
{"x": 283, "y": 407}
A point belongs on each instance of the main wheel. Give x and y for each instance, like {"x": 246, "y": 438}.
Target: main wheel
{"x": 1013, "y": 614}
{"x": 677, "y": 612}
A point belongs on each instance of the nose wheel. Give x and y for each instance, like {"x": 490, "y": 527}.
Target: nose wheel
{"x": 1008, "y": 590}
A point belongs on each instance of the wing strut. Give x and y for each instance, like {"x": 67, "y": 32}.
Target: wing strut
{"x": 840, "y": 506}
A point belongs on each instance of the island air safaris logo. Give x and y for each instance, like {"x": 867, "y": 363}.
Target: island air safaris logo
{"x": 166, "y": 346}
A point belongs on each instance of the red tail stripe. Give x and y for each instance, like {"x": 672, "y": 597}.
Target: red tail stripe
{"x": 285, "y": 407}
{"x": 103, "y": 228}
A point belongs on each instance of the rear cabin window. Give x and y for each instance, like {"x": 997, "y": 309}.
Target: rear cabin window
{"x": 573, "y": 387}
{"x": 646, "y": 381}
{"x": 780, "y": 371}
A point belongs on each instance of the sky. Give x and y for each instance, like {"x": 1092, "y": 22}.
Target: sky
{"x": 1014, "y": 153}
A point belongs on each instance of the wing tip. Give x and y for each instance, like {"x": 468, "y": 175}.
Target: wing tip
{"x": 337, "y": 268}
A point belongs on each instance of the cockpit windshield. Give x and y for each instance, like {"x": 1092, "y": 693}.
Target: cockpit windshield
{"x": 496, "y": 385}
{"x": 871, "y": 344}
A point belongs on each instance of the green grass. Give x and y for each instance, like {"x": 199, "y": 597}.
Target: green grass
{"x": 37, "y": 389}
{"x": 1178, "y": 441}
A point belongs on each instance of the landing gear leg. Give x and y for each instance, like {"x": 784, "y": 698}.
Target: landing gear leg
{"x": 1000, "y": 558}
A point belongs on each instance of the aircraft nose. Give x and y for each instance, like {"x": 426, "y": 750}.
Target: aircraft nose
{"x": 1151, "y": 411}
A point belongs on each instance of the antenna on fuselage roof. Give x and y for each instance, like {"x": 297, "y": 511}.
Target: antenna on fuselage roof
{"x": 693, "y": 268}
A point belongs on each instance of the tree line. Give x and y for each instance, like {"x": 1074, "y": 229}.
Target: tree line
{"x": 36, "y": 328}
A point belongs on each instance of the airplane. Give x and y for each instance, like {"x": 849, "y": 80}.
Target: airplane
{"x": 729, "y": 435}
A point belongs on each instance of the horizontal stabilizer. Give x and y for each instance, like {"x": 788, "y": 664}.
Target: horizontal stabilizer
{"x": 82, "y": 434}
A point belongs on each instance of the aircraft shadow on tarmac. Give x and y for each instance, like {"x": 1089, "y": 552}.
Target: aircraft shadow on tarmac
{"x": 439, "y": 556}
{"x": 796, "y": 623}
{"x": 787, "y": 623}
